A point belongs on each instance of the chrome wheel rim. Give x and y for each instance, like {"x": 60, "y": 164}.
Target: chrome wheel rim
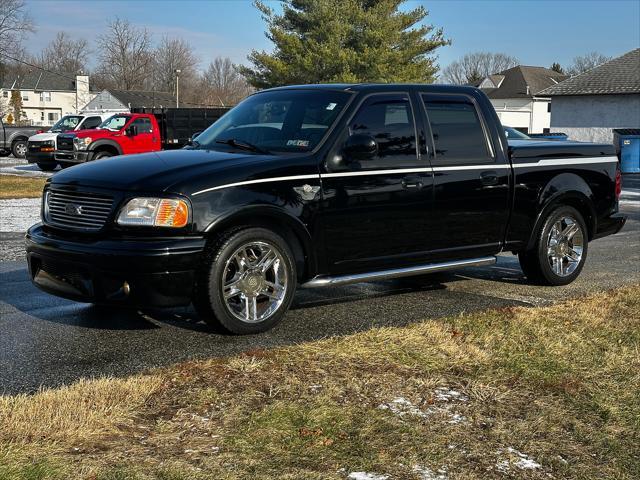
{"x": 21, "y": 149}
{"x": 254, "y": 282}
{"x": 565, "y": 245}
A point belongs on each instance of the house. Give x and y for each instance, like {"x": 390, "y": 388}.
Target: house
{"x": 589, "y": 106}
{"x": 127, "y": 99}
{"x": 46, "y": 96}
{"x": 515, "y": 94}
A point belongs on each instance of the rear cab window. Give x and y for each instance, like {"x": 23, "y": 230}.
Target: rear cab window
{"x": 459, "y": 135}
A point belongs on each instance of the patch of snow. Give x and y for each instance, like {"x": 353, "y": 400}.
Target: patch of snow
{"x": 518, "y": 460}
{"x": 367, "y": 476}
{"x": 401, "y": 406}
{"x": 444, "y": 394}
{"x": 456, "y": 418}
{"x": 425, "y": 473}
{"x": 18, "y": 214}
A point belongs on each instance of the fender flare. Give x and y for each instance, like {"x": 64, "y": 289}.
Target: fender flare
{"x": 565, "y": 189}
{"x": 101, "y": 142}
{"x": 272, "y": 214}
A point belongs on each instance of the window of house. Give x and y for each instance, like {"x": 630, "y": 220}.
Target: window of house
{"x": 45, "y": 96}
{"x": 25, "y": 96}
{"x": 53, "y": 117}
{"x": 389, "y": 120}
{"x": 42, "y": 116}
{"x": 549, "y": 107}
{"x": 5, "y": 94}
{"x": 458, "y": 135}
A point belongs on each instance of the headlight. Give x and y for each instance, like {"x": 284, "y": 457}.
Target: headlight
{"x": 154, "y": 212}
{"x": 82, "y": 143}
{"x": 47, "y": 143}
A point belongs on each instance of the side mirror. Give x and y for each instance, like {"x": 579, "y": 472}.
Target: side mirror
{"x": 132, "y": 130}
{"x": 360, "y": 147}
{"x": 195, "y": 135}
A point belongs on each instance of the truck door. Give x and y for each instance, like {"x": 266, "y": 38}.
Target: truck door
{"x": 374, "y": 213}
{"x": 471, "y": 181}
{"x": 147, "y": 138}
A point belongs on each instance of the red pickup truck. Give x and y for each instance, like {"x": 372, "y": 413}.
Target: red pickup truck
{"x": 144, "y": 130}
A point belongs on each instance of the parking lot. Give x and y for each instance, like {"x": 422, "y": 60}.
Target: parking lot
{"x": 48, "y": 341}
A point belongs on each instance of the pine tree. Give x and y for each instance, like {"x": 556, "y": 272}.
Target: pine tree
{"x": 319, "y": 41}
{"x": 556, "y": 67}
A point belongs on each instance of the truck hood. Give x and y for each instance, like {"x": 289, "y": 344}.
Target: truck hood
{"x": 93, "y": 133}
{"x": 42, "y": 137}
{"x": 167, "y": 171}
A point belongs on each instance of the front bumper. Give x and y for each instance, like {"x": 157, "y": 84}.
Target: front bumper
{"x": 72, "y": 156}
{"x": 40, "y": 157}
{"x": 149, "y": 272}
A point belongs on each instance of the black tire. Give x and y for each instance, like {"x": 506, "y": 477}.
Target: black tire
{"x": 19, "y": 149}
{"x": 99, "y": 155}
{"x": 47, "y": 166}
{"x": 535, "y": 263}
{"x": 208, "y": 297}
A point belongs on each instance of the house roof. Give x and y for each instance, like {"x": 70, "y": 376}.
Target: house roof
{"x": 141, "y": 98}
{"x": 618, "y": 76}
{"x": 41, "y": 80}
{"x": 516, "y": 80}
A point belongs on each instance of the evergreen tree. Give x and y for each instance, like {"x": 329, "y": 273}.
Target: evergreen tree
{"x": 345, "y": 41}
{"x": 556, "y": 67}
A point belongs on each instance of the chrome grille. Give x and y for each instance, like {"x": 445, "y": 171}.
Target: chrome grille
{"x": 77, "y": 210}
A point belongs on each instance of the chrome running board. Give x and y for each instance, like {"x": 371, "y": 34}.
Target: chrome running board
{"x": 328, "y": 281}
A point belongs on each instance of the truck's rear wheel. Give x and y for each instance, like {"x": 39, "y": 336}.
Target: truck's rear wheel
{"x": 560, "y": 251}
{"x": 247, "y": 281}
{"x": 47, "y": 166}
{"x": 19, "y": 149}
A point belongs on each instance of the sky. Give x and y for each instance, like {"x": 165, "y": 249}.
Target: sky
{"x": 536, "y": 32}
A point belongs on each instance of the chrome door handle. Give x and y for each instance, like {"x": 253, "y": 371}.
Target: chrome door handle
{"x": 490, "y": 177}
{"x": 411, "y": 184}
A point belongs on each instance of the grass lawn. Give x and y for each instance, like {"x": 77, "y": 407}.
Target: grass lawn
{"x": 12, "y": 186}
{"x": 532, "y": 393}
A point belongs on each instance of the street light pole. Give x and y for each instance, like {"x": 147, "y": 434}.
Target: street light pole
{"x": 177, "y": 72}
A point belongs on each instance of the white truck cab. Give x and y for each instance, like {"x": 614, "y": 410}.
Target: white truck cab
{"x": 41, "y": 147}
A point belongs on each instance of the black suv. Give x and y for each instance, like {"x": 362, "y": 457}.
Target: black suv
{"x": 321, "y": 185}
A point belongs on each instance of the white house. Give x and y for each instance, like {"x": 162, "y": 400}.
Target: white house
{"x": 46, "y": 96}
{"x": 589, "y": 106}
{"x": 515, "y": 94}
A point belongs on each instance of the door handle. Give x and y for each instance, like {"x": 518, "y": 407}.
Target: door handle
{"x": 490, "y": 177}
{"x": 409, "y": 183}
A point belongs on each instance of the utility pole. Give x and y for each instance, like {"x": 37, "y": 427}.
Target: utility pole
{"x": 177, "y": 72}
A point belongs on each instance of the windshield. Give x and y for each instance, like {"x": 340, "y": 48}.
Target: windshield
{"x": 513, "y": 134}
{"x": 66, "y": 123}
{"x": 114, "y": 123}
{"x": 285, "y": 120}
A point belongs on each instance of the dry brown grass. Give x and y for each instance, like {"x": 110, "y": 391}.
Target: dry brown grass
{"x": 559, "y": 384}
{"x": 12, "y": 186}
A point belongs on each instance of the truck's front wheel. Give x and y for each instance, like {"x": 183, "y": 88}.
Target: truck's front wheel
{"x": 560, "y": 251}
{"x": 100, "y": 155}
{"x": 19, "y": 149}
{"x": 247, "y": 281}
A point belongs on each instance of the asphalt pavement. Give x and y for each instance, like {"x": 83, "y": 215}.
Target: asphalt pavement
{"x": 46, "y": 341}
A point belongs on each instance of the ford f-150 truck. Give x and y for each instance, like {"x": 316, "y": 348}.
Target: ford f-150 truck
{"x": 317, "y": 186}
{"x": 144, "y": 130}
{"x": 14, "y": 139}
{"x": 42, "y": 146}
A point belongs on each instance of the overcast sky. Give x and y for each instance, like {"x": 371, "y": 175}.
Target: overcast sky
{"x": 536, "y": 32}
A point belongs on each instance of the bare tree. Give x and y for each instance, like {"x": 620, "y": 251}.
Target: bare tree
{"x": 15, "y": 23}
{"x": 473, "y": 67}
{"x": 222, "y": 84}
{"x": 586, "y": 62}
{"x": 170, "y": 55}
{"x": 65, "y": 54}
{"x": 126, "y": 59}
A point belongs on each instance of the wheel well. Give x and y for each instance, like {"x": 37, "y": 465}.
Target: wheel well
{"x": 18, "y": 139}
{"x": 106, "y": 148}
{"x": 303, "y": 254}
{"x": 582, "y": 206}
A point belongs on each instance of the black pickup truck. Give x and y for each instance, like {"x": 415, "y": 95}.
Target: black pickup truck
{"x": 316, "y": 186}
{"x": 13, "y": 139}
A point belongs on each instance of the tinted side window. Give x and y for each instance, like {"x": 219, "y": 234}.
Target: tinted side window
{"x": 91, "y": 122}
{"x": 458, "y": 135}
{"x": 388, "y": 119}
{"x": 143, "y": 124}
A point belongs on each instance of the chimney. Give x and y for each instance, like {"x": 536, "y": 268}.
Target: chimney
{"x": 82, "y": 91}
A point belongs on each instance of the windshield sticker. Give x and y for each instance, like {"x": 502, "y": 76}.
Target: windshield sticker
{"x": 297, "y": 143}
{"x": 331, "y": 106}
